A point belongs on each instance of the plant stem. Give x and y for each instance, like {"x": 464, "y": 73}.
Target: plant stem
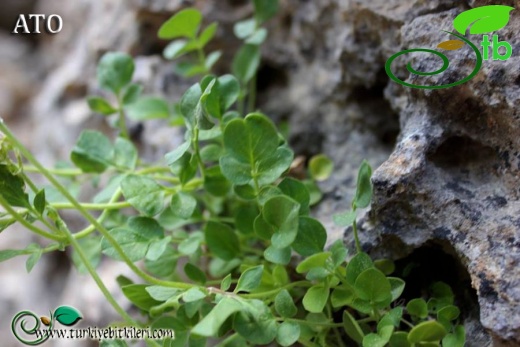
{"x": 86, "y": 262}
{"x": 196, "y": 147}
{"x": 275, "y": 291}
{"x": 57, "y": 172}
{"x": 356, "y": 237}
{"x": 26, "y": 224}
{"x": 88, "y": 206}
{"x": 28, "y": 155}
{"x": 122, "y": 119}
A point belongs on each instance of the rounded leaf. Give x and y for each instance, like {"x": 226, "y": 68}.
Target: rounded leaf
{"x": 321, "y": 167}
{"x": 430, "y": 331}
{"x": 183, "y": 24}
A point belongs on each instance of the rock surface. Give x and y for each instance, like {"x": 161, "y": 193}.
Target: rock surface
{"x": 448, "y": 161}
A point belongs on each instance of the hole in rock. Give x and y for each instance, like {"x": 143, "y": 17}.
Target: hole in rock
{"x": 462, "y": 152}
{"x": 437, "y": 261}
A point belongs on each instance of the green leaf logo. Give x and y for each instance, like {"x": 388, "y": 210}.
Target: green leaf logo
{"x": 483, "y": 19}
{"x": 67, "y": 315}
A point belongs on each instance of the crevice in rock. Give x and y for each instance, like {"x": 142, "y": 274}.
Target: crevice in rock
{"x": 462, "y": 152}
{"x": 436, "y": 261}
{"x": 270, "y": 76}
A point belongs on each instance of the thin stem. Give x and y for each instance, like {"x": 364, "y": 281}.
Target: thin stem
{"x": 25, "y": 152}
{"x": 196, "y": 147}
{"x": 88, "y": 206}
{"x": 26, "y": 224}
{"x": 122, "y": 119}
{"x": 275, "y": 291}
{"x": 356, "y": 237}
{"x": 326, "y": 325}
{"x": 86, "y": 262}
{"x": 57, "y": 172}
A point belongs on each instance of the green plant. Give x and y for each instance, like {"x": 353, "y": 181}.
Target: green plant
{"x": 224, "y": 232}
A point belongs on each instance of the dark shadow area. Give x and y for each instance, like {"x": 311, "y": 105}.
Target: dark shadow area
{"x": 462, "y": 152}
{"x": 436, "y": 261}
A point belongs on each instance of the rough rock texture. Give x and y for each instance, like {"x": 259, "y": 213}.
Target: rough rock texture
{"x": 446, "y": 185}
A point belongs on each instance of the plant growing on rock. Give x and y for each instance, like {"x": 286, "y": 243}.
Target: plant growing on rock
{"x": 226, "y": 245}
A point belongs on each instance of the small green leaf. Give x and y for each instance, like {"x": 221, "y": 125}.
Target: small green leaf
{"x": 448, "y": 313}
{"x": 139, "y": 296}
{"x": 226, "y": 283}
{"x": 320, "y": 167}
{"x": 386, "y": 266}
{"x": 364, "y": 186}
{"x": 258, "y": 37}
{"x": 193, "y": 294}
{"x": 183, "y": 24}
{"x": 115, "y": 71}
{"x": 161, "y": 293}
{"x": 397, "y": 287}
{"x": 258, "y": 325}
{"x": 352, "y": 328}
{"x": 211, "y": 153}
{"x": 311, "y": 237}
{"x": 282, "y": 213}
{"x": 250, "y": 279}
{"x": 316, "y": 298}
{"x": 342, "y": 296}
{"x": 315, "y": 260}
{"x": 165, "y": 265}
{"x": 215, "y": 183}
{"x": 207, "y": 34}
{"x": 297, "y": 191}
{"x": 359, "y": 263}
{"x": 93, "y": 152}
{"x": 100, "y": 105}
{"x": 246, "y": 62}
{"x": 12, "y": 188}
{"x": 39, "y": 201}
{"x": 429, "y": 331}
{"x": 67, "y": 315}
{"x": 175, "y": 49}
{"x": 222, "y": 241}
{"x": 339, "y": 252}
{"x": 245, "y": 216}
{"x": 284, "y": 304}
{"x": 418, "y": 308}
{"x": 144, "y": 194}
{"x": 91, "y": 246}
{"x": 194, "y": 273}
{"x": 483, "y": 20}
{"x": 148, "y": 108}
{"x": 7, "y": 254}
{"x": 157, "y": 248}
{"x": 183, "y": 205}
{"x": 245, "y": 28}
{"x": 455, "y": 339}
{"x": 372, "y": 285}
{"x": 288, "y": 333}
{"x": 132, "y": 94}
{"x": 400, "y": 339}
{"x": 278, "y": 255}
{"x": 177, "y": 153}
{"x": 125, "y": 154}
{"x": 345, "y": 219}
{"x": 134, "y": 239}
{"x": 36, "y": 254}
{"x": 212, "y": 59}
{"x": 211, "y": 323}
{"x": 265, "y": 10}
